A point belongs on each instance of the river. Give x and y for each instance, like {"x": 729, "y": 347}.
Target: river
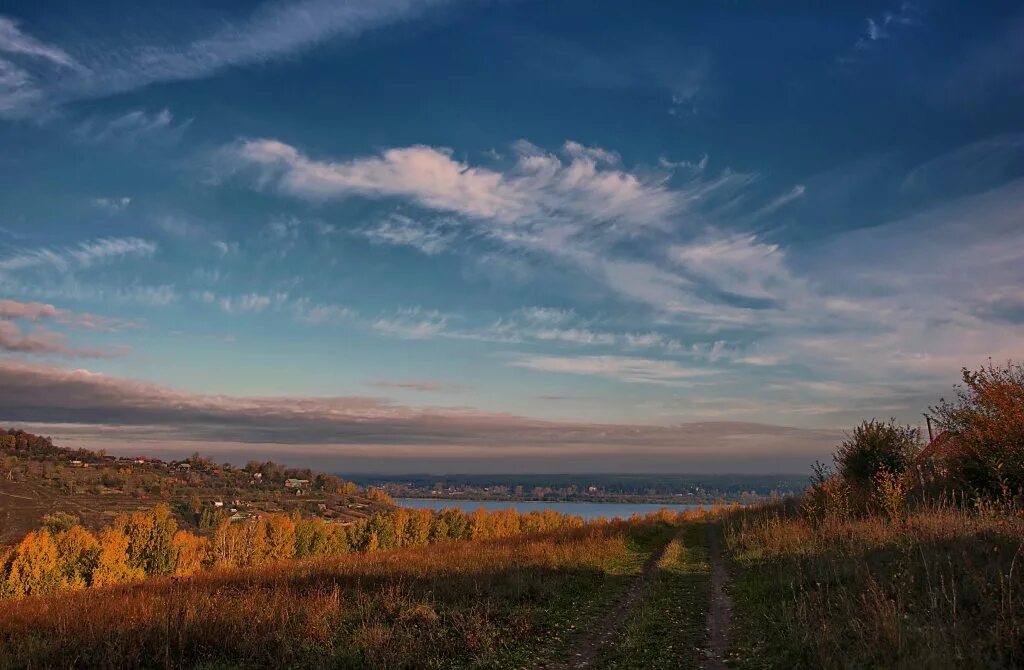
{"x": 584, "y": 509}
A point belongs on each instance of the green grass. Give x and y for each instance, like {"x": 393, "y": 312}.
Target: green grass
{"x": 575, "y": 608}
{"x": 667, "y": 628}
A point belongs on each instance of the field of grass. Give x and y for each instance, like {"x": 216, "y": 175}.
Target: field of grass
{"x": 516, "y": 602}
{"x": 942, "y": 588}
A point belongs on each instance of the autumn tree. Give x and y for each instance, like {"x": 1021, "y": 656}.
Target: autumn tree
{"x": 77, "y": 554}
{"x": 149, "y": 539}
{"x": 280, "y": 537}
{"x": 191, "y": 553}
{"x": 34, "y": 566}
{"x": 113, "y": 565}
{"x": 987, "y": 419}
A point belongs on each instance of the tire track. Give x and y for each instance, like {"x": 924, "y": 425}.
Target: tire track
{"x": 719, "y": 606}
{"x": 588, "y": 651}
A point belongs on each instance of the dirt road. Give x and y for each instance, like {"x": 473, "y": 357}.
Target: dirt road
{"x": 720, "y": 605}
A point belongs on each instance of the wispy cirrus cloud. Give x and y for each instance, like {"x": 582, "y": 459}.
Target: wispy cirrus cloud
{"x": 398, "y": 230}
{"x": 15, "y": 41}
{"x": 419, "y": 385}
{"x": 620, "y": 368}
{"x": 80, "y": 256}
{"x": 881, "y": 28}
{"x": 586, "y": 183}
{"x": 50, "y": 75}
{"x": 245, "y": 304}
{"x": 111, "y": 205}
{"x": 132, "y": 128}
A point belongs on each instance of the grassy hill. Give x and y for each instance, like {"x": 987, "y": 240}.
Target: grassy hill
{"x": 38, "y": 478}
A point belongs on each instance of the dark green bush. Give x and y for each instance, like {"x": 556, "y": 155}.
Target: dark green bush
{"x": 877, "y": 446}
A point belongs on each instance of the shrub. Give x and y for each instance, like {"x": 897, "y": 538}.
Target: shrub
{"x": 877, "y": 446}
{"x": 59, "y": 521}
{"x": 987, "y": 419}
{"x": 828, "y": 498}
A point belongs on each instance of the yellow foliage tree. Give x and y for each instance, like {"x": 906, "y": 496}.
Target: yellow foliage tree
{"x": 113, "y": 565}
{"x": 77, "y": 553}
{"x": 34, "y": 566}
{"x": 191, "y": 552}
{"x": 280, "y": 537}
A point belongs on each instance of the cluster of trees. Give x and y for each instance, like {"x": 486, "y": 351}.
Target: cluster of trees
{"x": 27, "y": 445}
{"x": 979, "y": 453}
{"x": 64, "y": 555}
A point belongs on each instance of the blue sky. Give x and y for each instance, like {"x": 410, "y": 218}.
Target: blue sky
{"x": 443, "y": 235}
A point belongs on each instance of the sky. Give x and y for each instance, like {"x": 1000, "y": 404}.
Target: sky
{"x": 508, "y": 236}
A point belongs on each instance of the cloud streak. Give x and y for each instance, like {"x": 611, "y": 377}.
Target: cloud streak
{"x": 54, "y": 395}
{"x": 275, "y": 30}
{"x": 81, "y": 256}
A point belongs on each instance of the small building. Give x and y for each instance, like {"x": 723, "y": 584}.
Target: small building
{"x": 217, "y": 503}
{"x": 295, "y": 483}
{"x": 938, "y": 451}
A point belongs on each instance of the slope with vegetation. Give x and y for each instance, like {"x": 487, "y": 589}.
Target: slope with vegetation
{"x": 38, "y": 478}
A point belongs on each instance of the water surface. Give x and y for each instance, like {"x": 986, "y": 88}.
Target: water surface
{"x": 584, "y": 509}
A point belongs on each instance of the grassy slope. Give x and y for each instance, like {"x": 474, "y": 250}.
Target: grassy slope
{"x": 943, "y": 589}
{"x": 667, "y": 629}
{"x": 518, "y": 602}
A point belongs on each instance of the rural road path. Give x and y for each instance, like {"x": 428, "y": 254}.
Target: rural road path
{"x": 720, "y": 605}
{"x": 587, "y": 652}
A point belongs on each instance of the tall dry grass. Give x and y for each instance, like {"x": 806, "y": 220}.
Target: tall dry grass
{"x": 936, "y": 586}
{"x": 453, "y": 604}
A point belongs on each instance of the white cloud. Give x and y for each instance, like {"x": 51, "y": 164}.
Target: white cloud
{"x": 84, "y": 255}
{"x": 620, "y": 368}
{"x": 586, "y": 185}
{"x": 117, "y": 63}
{"x": 413, "y": 323}
{"x": 113, "y": 205}
{"x": 399, "y": 230}
{"x": 741, "y": 265}
{"x": 132, "y": 128}
{"x": 14, "y": 41}
{"x": 547, "y": 315}
{"x": 244, "y": 304}
{"x": 320, "y": 314}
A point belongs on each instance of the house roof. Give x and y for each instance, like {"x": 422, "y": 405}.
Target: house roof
{"x": 940, "y": 447}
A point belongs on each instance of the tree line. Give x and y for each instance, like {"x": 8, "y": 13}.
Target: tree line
{"x": 65, "y": 555}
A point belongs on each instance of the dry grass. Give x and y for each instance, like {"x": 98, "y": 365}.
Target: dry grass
{"x": 455, "y": 604}
{"x": 942, "y": 588}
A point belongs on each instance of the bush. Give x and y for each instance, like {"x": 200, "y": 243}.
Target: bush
{"x": 874, "y": 447}
{"x": 828, "y": 498}
{"x": 987, "y": 420}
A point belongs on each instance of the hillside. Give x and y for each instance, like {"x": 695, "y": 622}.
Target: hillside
{"x": 38, "y": 478}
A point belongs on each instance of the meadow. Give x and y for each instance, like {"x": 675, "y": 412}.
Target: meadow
{"x": 521, "y": 601}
